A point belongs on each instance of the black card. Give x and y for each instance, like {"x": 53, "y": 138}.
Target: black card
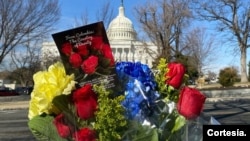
{"x": 86, "y": 52}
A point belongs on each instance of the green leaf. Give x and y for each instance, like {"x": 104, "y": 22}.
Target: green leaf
{"x": 150, "y": 135}
{"x": 179, "y": 123}
{"x": 62, "y": 102}
{"x": 104, "y": 62}
{"x": 43, "y": 129}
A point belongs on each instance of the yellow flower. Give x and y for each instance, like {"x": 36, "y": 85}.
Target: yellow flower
{"x": 47, "y": 85}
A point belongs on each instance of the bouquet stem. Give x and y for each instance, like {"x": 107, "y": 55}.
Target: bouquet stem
{"x": 186, "y": 131}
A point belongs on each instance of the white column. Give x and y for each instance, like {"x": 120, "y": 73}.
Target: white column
{"x": 123, "y": 55}
{"x": 130, "y": 55}
{"x": 143, "y": 58}
{"x": 137, "y": 56}
{"x": 117, "y": 55}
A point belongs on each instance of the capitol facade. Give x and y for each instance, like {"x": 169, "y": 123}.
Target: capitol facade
{"x": 123, "y": 41}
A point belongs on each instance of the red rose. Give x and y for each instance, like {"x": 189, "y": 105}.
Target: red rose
{"x": 83, "y": 50}
{"x": 97, "y": 42}
{"x": 62, "y": 127}
{"x": 107, "y": 53}
{"x": 75, "y": 60}
{"x": 85, "y": 134}
{"x": 190, "y": 103}
{"x": 67, "y": 49}
{"x": 89, "y": 65}
{"x": 175, "y": 74}
{"x": 85, "y": 101}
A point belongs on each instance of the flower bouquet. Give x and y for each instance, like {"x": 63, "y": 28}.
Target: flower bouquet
{"x": 142, "y": 105}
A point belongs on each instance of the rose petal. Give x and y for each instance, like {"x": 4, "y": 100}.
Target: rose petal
{"x": 191, "y": 102}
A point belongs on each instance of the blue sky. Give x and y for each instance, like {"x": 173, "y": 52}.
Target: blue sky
{"x": 73, "y": 9}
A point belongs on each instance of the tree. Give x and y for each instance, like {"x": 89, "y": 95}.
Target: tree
{"x": 211, "y": 75}
{"x": 25, "y": 20}
{"x": 105, "y": 14}
{"x": 249, "y": 71}
{"x": 201, "y": 49}
{"x": 163, "y": 22}
{"x": 233, "y": 18}
{"x": 228, "y": 76}
{"x": 24, "y": 63}
{"x": 49, "y": 55}
{"x": 49, "y": 60}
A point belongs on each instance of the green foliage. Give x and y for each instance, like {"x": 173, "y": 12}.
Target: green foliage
{"x": 63, "y": 104}
{"x": 227, "y": 76}
{"x": 43, "y": 128}
{"x": 110, "y": 120}
{"x": 160, "y": 77}
{"x": 190, "y": 65}
{"x": 174, "y": 128}
{"x": 169, "y": 123}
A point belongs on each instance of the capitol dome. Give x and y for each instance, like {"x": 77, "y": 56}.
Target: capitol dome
{"x": 121, "y": 28}
{"x": 123, "y": 41}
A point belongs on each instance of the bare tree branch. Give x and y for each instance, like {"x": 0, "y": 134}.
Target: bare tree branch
{"x": 163, "y": 22}
{"x": 22, "y": 20}
{"x": 105, "y": 14}
{"x": 25, "y": 62}
{"x": 233, "y": 18}
{"x": 201, "y": 48}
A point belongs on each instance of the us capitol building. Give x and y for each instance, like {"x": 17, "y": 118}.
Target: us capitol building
{"x": 123, "y": 41}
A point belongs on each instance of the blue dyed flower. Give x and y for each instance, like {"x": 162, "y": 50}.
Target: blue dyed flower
{"x": 139, "y": 71}
{"x": 139, "y": 89}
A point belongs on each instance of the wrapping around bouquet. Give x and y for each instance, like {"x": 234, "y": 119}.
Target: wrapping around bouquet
{"x": 194, "y": 128}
